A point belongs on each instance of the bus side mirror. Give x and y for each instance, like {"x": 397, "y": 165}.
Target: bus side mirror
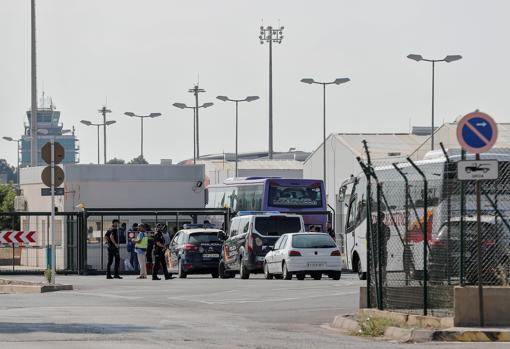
{"x": 206, "y": 194}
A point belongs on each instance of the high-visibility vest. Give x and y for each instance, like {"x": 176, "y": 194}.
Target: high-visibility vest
{"x": 143, "y": 243}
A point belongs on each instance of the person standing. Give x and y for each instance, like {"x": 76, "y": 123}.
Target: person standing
{"x": 141, "y": 242}
{"x": 159, "y": 255}
{"x": 112, "y": 240}
{"x": 133, "y": 256}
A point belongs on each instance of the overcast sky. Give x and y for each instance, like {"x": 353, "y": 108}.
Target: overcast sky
{"x": 144, "y": 55}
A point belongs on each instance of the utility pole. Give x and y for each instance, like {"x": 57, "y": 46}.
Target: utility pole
{"x": 103, "y": 112}
{"x": 33, "y": 109}
{"x": 196, "y": 90}
{"x": 270, "y": 35}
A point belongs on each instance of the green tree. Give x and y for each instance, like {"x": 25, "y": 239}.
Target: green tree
{"x": 9, "y": 170}
{"x": 7, "y": 195}
{"x": 139, "y": 160}
{"x": 116, "y": 161}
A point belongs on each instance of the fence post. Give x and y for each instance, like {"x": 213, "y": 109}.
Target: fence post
{"x": 448, "y": 212}
{"x": 425, "y": 236}
{"x": 380, "y": 252}
{"x": 407, "y": 250}
{"x": 368, "y": 234}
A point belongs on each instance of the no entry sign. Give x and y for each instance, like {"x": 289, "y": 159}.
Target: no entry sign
{"x": 477, "y": 132}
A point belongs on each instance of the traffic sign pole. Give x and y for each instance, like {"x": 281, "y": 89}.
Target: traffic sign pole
{"x": 479, "y": 249}
{"x": 53, "y": 255}
{"x": 477, "y": 133}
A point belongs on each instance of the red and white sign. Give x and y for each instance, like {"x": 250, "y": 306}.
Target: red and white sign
{"x": 25, "y": 237}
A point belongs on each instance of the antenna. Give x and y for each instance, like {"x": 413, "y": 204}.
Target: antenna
{"x": 198, "y": 79}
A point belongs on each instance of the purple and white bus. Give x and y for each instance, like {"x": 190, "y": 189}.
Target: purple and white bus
{"x": 272, "y": 194}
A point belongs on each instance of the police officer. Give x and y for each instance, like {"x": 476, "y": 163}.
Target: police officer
{"x": 112, "y": 240}
{"x": 159, "y": 254}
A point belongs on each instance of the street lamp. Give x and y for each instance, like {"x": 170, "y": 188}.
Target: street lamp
{"x": 103, "y": 112}
{"x": 196, "y": 90}
{"x": 247, "y": 99}
{"x": 10, "y": 139}
{"x": 108, "y": 123}
{"x": 447, "y": 59}
{"x": 195, "y": 125}
{"x": 338, "y": 81}
{"x": 133, "y": 115}
{"x": 270, "y": 35}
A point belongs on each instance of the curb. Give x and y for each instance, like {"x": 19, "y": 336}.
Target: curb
{"x": 342, "y": 322}
{"x": 408, "y": 334}
{"x": 11, "y": 286}
{"x": 471, "y": 336}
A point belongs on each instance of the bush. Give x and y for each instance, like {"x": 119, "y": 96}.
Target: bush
{"x": 373, "y": 326}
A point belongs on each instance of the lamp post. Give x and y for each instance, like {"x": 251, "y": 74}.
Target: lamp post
{"x": 338, "y": 81}
{"x": 447, "y": 59}
{"x": 108, "y": 123}
{"x": 270, "y": 35}
{"x": 103, "y": 112}
{"x": 247, "y": 99}
{"x": 10, "y": 139}
{"x": 195, "y": 124}
{"x": 196, "y": 90}
{"x": 133, "y": 115}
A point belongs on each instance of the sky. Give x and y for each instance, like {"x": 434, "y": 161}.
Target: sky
{"x": 143, "y": 56}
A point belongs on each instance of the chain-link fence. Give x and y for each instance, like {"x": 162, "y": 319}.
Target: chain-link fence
{"x": 424, "y": 235}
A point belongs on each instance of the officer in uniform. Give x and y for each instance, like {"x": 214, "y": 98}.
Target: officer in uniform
{"x": 112, "y": 240}
{"x": 159, "y": 255}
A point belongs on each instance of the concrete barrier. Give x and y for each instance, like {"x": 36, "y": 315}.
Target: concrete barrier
{"x": 496, "y": 306}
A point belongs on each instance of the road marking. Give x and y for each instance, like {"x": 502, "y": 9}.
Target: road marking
{"x": 264, "y": 300}
{"x": 102, "y": 295}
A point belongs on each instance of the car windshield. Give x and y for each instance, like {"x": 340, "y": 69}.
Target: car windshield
{"x": 277, "y": 225}
{"x": 198, "y": 238}
{"x": 312, "y": 241}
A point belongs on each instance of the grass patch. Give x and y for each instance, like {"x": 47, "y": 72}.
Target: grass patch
{"x": 373, "y": 326}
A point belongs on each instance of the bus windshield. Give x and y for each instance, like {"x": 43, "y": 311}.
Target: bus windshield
{"x": 294, "y": 196}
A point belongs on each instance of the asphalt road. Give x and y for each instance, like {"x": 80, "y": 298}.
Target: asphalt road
{"x": 198, "y": 312}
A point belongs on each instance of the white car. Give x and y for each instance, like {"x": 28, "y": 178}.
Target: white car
{"x": 301, "y": 254}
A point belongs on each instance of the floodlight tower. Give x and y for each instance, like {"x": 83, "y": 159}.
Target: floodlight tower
{"x": 270, "y": 35}
{"x": 196, "y": 90}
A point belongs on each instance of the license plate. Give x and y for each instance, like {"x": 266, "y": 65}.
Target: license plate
{"x": 316, "y": 265}
{"x": 210, "y": 255}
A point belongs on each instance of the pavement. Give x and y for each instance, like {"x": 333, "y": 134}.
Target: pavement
{"x": 198, "y": 312}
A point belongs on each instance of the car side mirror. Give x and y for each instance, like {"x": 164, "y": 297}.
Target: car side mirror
{"x": 222, "y": 236}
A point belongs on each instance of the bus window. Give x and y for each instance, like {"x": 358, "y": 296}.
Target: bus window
{"x": 351, "y": 222}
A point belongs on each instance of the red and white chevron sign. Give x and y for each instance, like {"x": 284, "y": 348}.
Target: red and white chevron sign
{"x": 9, "y": 237}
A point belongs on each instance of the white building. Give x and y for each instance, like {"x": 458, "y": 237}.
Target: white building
{"x": 106, "y": 186}
{"x": 216, "y": 171}
{"x": 342, "y": 150}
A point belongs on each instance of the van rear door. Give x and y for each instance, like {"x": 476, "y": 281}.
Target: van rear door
{"x": 268, "y": 229}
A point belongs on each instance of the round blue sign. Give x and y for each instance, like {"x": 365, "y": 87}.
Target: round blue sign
{"x": 477, "y": 132}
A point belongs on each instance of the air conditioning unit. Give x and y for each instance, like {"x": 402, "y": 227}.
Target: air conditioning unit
{"x": 20, "y": 204}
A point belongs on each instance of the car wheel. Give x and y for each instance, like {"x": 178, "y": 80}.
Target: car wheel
{"x": 300, "y": 276}
{"x": 335, "y": 275}
{"x": 285, "y": 272}
{"x": 361, "y": 274}
{"x": 267, "y": 274}
{"x": 243, "y": 271}
{"x": 317, "y": 276}
{"x": 278, "y": 276}
{"x": 181, "y": 272}
{"x": 222, "y": 273}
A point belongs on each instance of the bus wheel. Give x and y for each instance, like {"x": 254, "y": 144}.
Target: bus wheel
{"x": 300, "y": 276}
{"x": 361, "y": 274}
